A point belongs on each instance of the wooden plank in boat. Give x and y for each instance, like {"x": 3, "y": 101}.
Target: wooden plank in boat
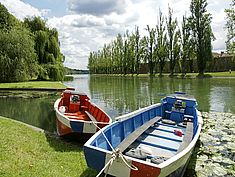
{"x": 187, "y": 137}
{"x": 135, "y": 134}
{"x": 91, "y": 116}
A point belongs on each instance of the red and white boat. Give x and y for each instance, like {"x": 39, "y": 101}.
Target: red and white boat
{"x": 76, "y": 114}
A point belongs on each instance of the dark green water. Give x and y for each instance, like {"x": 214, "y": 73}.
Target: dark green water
{"x": 120, "y": 95}
{"x": 34, "y": 111}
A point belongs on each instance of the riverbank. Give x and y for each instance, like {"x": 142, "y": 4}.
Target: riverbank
{"x": 33, "y": 89}
{"x": 31, "y": 152}
{"x": 33, "y": 85}
{"x": 178, "y": 75}
{"x": 26, "y": 152}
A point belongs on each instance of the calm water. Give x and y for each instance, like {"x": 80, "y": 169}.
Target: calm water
{"x": 120, "y": 95}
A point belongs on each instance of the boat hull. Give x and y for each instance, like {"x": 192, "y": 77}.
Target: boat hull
{"x": 176, "y": 168}
{"x": 98, "y": 152}
{"x": 79, "y": 122}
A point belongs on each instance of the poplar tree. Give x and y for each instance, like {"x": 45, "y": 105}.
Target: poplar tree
{"x": 150, "y": 48}
{"x": 173, "y": 41}
{"x": 230, "y": 25}
{"x": 161, "y": 51}
{"x": 187, "y": 52}
{"x": 200, "y": 24}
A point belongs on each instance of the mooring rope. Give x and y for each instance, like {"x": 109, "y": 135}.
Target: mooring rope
{"x": 116, "y": 153}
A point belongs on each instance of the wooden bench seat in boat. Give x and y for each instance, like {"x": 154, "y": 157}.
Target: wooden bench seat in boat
{"x": 77, "y": 115}
{"x": 136, "y": 133}
{"x": 187, "y": 137}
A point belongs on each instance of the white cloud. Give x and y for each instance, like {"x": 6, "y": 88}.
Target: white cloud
{"x": 92, "y": 23}
{"x": 97, "y": 7}
{"x": 22, "y": 10}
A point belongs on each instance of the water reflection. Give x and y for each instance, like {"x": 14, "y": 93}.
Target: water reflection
{"x": 37, "y": 112}
{"x": 119, "y": 95}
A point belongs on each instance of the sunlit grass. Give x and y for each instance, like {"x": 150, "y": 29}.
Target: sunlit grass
{"x": 26, "y": 152}
{"x": 34, "y": 84}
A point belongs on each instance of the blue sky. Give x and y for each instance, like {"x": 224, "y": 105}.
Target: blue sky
{"x": 85, "y": 25}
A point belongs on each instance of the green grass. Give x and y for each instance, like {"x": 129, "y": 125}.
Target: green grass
{"x": 34, "y": 84}
{"x": 222, "y": 74}
{"x": 26, "y": 152}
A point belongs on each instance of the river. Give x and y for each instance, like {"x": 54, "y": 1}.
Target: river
{"x": 120, "y": 95}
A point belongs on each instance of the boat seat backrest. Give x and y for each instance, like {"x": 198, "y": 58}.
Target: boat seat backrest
{"x": 189, "y": 107}
{"x": 188, "y": 110}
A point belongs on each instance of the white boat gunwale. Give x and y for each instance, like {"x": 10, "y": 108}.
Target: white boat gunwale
{"x": 162, "y": 165}
{"x": 66, "y": 120}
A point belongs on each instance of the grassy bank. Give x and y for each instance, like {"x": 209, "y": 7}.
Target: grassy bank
{"x": 26, "y": 152}
{"x": 34, "y": 84}
{"x": 178, "y": 75}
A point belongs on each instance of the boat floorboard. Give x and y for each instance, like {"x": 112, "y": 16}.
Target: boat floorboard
{"x": 158, "y": 145}
{"x": 160, "y": 141}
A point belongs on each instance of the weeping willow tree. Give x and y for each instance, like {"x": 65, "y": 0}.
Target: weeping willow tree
{"x": 18, "y": 60}
{"x": 47, "y": 48}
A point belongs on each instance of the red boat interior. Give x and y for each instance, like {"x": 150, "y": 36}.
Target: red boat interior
{"x": 77, "y": 104}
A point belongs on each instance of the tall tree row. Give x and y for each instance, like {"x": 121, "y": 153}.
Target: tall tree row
{"x": 28, "y": 49}
{"x": 168, "y": 42}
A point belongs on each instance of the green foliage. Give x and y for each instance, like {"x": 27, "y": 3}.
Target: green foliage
{"x": 35, "y": 24}
{"x": 42, "y": 73}
{"x": 162, "y": 51}
{"x": 26, "y": 48}
{"x": 167, "y": 43}
{"x": 55, "y": 72}
{"x": 151, "y": 49}
{"x": 201, "y": 30}
{"x": 173, "y": 41}
{"x": 7, "y": 21}
{"x": 187, "y": 52}
{"x": 230, "y": 25}
{"x": 47, "y": 49}
{"x": 18, "y": 59}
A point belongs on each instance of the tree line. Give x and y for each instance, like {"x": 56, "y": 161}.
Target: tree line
{"x": 28, "y": 49}
{"x": 167, "y": 42}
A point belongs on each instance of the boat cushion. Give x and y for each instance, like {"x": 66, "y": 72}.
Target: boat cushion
{"x": 136, "y": 153}
{"x": 158, "y": 160}
{"x": 168, "y": 121}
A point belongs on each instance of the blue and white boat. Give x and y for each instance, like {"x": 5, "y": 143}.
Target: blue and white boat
{"x": 157, "y": 140}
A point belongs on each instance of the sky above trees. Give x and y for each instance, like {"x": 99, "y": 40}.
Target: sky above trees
{"x": 85, "y": 25}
